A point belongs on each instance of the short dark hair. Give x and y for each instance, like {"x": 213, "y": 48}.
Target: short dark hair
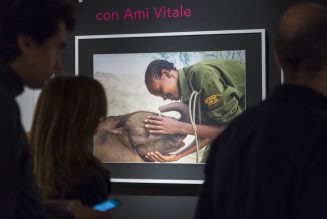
{"x": 154, "y": 69}
{"x": 301, "y": 41}
{"x": 36, "y": 18}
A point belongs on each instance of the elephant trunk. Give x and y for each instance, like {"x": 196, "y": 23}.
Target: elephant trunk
{"x": 179, "y": 107}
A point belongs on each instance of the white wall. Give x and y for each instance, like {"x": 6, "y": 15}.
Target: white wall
{"x": 27, "y": 101}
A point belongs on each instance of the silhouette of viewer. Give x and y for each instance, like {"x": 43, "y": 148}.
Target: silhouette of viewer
{"x": 271, "y": 161}
{"x": 32, "y": 35}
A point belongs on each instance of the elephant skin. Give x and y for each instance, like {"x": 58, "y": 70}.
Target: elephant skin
{"x": 124, "y": 138}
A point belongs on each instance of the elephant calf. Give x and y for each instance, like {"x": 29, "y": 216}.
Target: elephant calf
{"x": 124, "y": 138}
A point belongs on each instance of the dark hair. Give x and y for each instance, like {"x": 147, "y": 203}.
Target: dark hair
{"x": 154, "y": 69}
{"x": 36, "y": 18}
{"x": 301, "y": 41}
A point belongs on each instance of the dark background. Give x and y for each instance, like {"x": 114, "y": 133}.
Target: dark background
{"x": 163, "y": 201}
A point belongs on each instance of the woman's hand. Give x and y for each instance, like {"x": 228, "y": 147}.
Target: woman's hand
{"x": 158, "y": 157}
{"x": 80, "y": 211}
{"x": 163, "y": 125}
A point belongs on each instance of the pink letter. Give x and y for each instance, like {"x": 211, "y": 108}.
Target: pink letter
{"x": 98, "y": 16}
{"x": 187, "y": 12}
{"x": 157, "y": 13}
{"x": 128, "y": 14}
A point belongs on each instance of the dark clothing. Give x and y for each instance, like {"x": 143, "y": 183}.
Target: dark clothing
{"x": 19, "y": 196}
{"x": 90, "y": 192}
{"x": 271, "y": 162}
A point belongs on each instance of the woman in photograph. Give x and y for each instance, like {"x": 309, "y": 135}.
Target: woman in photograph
{"x": 216, "y": 86}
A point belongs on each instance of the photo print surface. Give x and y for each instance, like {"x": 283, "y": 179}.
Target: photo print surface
{"x": 129, "y": 101}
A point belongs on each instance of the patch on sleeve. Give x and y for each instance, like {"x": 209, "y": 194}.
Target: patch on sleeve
{"x": 212, "y": 100}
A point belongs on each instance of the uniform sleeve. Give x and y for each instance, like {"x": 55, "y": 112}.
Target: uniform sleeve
{"x": 220, "y": 100}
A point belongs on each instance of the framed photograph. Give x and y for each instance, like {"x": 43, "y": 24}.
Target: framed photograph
{"x": 120, "y": 61}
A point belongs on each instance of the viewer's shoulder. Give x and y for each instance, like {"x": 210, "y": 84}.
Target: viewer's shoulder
{"x": 8, "y": 103}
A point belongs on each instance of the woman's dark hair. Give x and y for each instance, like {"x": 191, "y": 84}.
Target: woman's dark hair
{"x": 38, "y": 19}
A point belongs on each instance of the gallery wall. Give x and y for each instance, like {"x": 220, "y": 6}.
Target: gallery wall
{"x": 102, "y": 17}
{"x": 204, "y": 15}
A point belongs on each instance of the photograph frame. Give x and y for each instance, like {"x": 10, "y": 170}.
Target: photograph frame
{"x": 164, "y": 173}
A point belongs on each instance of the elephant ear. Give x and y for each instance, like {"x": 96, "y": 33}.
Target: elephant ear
{"x": 123, "y": 137}
{"x": 101, "y": 136}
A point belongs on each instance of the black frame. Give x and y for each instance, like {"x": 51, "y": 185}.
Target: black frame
{"x": 252, "y": 41}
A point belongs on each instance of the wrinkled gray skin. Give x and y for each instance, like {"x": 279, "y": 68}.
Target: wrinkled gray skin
{"x": 124, "y": 138}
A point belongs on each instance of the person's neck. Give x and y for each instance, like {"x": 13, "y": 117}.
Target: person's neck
{"x": 19, "y": 67}
{"x": 16, "y": 67}
{"x": 317, "y": 83}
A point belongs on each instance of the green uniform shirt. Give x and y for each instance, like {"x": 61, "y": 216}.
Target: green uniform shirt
{"x": 221, "y": 87}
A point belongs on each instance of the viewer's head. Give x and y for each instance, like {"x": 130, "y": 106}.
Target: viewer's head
{"x": 161, "y": 79}
{"x": 301, "y": 42}
{"x": 66, "y": 117}
{"x": 32, "y": 34}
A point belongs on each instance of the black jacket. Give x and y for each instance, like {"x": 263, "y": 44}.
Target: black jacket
{"x": 271, "y": 162}
{"x": 91, "y": 191}
{"x": 19, "y": 196}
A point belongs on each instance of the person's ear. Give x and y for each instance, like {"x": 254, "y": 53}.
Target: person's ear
{"x": 279, "y": 66}
{"x": 165, "y": 72}
{"x": 25, "y": 43}
{"x": 277, "y": 60}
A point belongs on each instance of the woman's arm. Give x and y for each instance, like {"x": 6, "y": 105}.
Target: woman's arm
{"x": 167, "y": 125}
{"x": 158, "y": 157}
